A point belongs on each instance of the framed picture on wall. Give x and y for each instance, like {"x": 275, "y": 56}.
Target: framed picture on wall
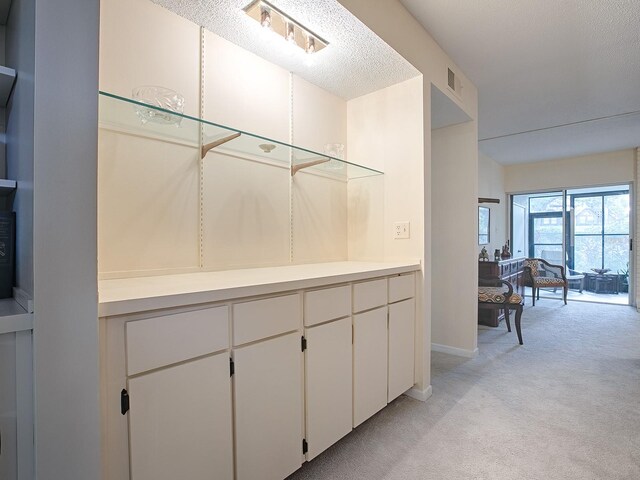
{"x": 484, "y": 215}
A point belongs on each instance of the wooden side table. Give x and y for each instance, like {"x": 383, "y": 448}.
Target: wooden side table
{"x": 608, "y": 283}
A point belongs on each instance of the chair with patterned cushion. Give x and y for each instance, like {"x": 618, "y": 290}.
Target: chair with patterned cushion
{"x": 497, "y": 294}
{"x": 539, "y": 273}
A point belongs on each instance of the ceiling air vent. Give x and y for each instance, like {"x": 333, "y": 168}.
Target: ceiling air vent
{"x": 454, "y": 83}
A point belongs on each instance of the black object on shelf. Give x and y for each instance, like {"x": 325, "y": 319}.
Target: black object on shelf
{"x": 7, "y": 253}
{"x": 7, "y": 237}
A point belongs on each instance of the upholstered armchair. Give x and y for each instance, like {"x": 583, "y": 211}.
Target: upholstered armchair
{"x": 539, "y": 273}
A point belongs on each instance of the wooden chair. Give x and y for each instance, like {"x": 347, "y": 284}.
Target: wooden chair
{"x": 493, "y": 295}
{"x": 539, "y": 273}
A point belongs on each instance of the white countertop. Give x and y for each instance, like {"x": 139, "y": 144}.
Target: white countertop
{"x": 129, "y": 295}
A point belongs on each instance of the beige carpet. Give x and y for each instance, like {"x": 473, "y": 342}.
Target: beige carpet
{"x": 565, "y": 405}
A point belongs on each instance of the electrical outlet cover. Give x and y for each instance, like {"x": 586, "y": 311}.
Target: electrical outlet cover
{"x": 401, "y": 230}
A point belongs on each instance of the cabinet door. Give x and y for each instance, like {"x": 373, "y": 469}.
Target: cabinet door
{"x": 8, "y": 431}
{"x": 328, "y": 384}
{"x": 268, "y": 408}
{"x": 369, "y": 364}
{"x": 180, "y": 422}
{"x": 401, "y": 347}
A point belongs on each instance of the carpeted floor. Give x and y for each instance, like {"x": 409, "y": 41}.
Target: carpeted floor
{"x": 565, "y": 405}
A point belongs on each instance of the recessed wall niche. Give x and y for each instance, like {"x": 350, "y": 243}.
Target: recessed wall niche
{"x": 163, "y": 209}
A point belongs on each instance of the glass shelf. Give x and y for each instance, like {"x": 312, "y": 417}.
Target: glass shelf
{"x": 132, "y": 117}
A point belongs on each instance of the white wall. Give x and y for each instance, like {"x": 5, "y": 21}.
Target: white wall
{"x": 454, "y": 193}
{"x": 396, "y": 26}
{"x": 228, "y": 210}
{"x": 136, "y": 34}
{"x": 148, "y": 204}
{"x": 319, "y": 219}
{"x": 491, "y": 184}
{"x": 590, "y": 170}
{"x": 246, "y": 219}
{"x": 244, "y": 91}
{"x": 148, "y": 199}
{"x": 65, "y": 275}
{"x": 385, "y": 132}
{"x": 319, "y": 203}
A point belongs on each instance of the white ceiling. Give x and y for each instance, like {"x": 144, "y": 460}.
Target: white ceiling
{"x": 355, "y": 63}
{"x": 556, "y": 78}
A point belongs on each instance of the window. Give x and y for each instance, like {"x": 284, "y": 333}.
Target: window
{"x": 601, "y": 231}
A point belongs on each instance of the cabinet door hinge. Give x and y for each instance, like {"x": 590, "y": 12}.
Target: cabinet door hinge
{"x": 303, "y": 343}
{"x": 124, "y": 401}
{"x": 232, "y": 367}
{"x": 305, "y": 446}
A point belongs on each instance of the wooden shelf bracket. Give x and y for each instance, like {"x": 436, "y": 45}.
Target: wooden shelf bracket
{"x": 217, "y": 143}
{"x": 310, "y": 163}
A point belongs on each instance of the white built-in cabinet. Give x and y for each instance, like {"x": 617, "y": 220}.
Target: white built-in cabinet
{"x": 369, "y": 363}
{"x": 8, "y": 433}
{"x": 268, "y": 402}
{"x": 179, "y": 396}
{"x": 370, "y": 339}
{"x": 251, "y": 388}
{"x": 180, "y": 422}
{"x": 402, "y": 306}
{"x": 401, "y": 348}
{"x": 268, "y": 387}
{"x": 328, "y": 367}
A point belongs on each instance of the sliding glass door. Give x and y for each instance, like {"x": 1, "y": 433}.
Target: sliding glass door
{"x": 545, "y": 227}
{"x": 587, "y": 230}
{"x": 601, "y": 230}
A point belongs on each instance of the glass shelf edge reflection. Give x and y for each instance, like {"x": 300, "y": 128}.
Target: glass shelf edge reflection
{"x": 352, "y": 170}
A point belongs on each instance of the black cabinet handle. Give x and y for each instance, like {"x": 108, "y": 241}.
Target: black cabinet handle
{"x": 124, "y": 401}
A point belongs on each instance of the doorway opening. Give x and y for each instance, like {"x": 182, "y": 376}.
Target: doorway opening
{"x": 586, "y": 230}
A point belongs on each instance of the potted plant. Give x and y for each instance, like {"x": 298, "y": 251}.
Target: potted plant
{"x": 624, "y": 279}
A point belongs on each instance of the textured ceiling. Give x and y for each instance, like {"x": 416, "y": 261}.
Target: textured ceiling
{"x": 355, "y": 63}
{"x": 555, "y": 78}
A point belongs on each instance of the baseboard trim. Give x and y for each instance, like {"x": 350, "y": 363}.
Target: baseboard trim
{"x": 418, "y": 394}
{"x": 460, "y": 352}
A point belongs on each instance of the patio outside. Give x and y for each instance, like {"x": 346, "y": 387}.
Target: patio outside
{"x": 586, "y": 230}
